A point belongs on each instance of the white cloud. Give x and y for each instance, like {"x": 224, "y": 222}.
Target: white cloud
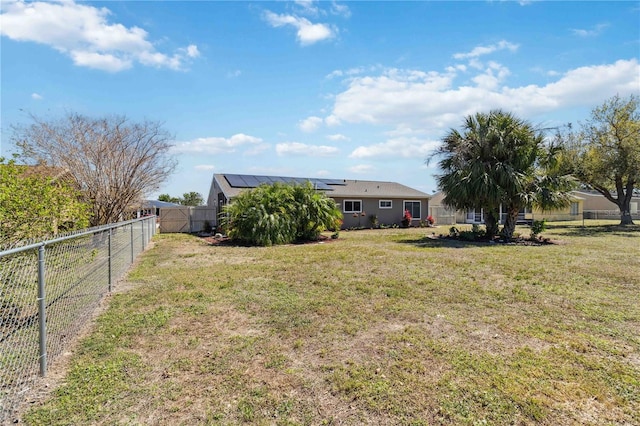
{"x": 361, "y": 168}
{"x": 323, "y": 173}
{"x": 391, "y": 98}
{"x": 338, "y": 137}
{"x": 85, "y": 34}
{"x": 350, "y": 72}
{"x": 297, "y": 148}
{"x": 204, "y": 167}
{"x": 493, "y": 75}
{"x": 310, "y": 124}
{"x": 405, "y": 147}
{"x": 36, "y": 96}
{"x": 595, "y": 31}
{"x": 104, "y": 62}
{"x": 234, "y": 74}
{"x": 308, "y": 32}
{"x": 340, "y": 9}
{"x": 332, "y": 120}
{"x": 192, "y": 51}
{"x": 307, "y": 7}
{"x": 485, "y": 50}
{"x": 428, "y": 100}
{"x": 216, "y": 145}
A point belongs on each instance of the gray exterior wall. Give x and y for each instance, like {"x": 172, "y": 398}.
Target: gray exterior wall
{"x": 392, "y": 216}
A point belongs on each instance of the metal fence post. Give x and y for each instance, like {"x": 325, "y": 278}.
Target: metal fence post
{"x": 143, "y": 240}
{"x": 110, "y": 262}
{"x": 42, "y": 314}
{"x": 131, "y": 243}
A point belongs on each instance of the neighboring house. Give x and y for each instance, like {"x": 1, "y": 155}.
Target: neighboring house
{"x": 596, "y": 206}
{"x": 358, "y": 200}
{"x": 445, "y": 215}
{"x": 153, "y": 207}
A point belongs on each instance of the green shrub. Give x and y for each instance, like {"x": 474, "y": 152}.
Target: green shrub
{"x": 467, "y": 235}
{"x": 280, "y": 214}
{"x": 477, "y": 231}
{"x": 537, "y": 227}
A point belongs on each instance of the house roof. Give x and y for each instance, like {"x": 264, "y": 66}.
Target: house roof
{"x": 159, "y": 204}
{"x": 375, "y": 189}
{"x": 232, "y": 185}
{"x": 594, "y": 193}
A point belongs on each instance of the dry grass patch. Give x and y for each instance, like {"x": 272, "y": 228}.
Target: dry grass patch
{"x": 379, "y": 327}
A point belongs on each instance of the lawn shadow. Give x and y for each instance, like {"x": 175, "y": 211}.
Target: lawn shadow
{"x": 433, "y": 241}
{"x": 437, "y": 242}
{"x": 594, "y": 231}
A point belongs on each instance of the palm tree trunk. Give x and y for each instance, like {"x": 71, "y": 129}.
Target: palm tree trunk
{"x": 491, "y": 223}
{"x": 510, "y": 223}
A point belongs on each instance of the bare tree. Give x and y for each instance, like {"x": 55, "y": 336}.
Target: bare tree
{"x": 114, "y": 161}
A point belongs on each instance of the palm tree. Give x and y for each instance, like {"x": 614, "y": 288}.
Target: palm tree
{"x": 313, "y": 212}
{"x": 529, "y": 173}
{"x": 468, "y": 162}
{"x": 500, "y": 159}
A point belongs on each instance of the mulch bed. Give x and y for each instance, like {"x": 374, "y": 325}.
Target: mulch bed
{"x": 225, "y": 241}
{"x": 513, "y": 242}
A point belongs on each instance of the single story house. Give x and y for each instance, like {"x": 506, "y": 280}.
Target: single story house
{"x": 596, "y": 206}
{"x": 445, "y": 215}
{"x": 359, "y": 200}
{"x": 152, "y": 207}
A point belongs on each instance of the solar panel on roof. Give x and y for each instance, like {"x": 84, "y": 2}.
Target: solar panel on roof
{"x": 251, "y": 181}
{"x": 236, "y": 181}
{"x": 322, "y": 186}
{"x": 333, "y": 181}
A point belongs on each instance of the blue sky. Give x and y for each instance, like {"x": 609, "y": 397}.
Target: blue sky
{"x": 356, "y": 90}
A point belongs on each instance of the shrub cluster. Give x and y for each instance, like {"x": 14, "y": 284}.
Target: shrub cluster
{"x": 280, "y": 214}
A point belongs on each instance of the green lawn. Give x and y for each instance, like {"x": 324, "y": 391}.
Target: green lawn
{"x": 377, "y": 327}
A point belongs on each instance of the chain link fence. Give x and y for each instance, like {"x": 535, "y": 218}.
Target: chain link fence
{"x": 49, "y": 290}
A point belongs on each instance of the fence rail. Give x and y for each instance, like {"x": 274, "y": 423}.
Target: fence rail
{"x": 48, "y": 291}
{"x": 607, "y": 214}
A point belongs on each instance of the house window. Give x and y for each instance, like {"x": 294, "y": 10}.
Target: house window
{"x": 385, "y": 204}
{"x": 352, "y": 206}
{"x": 575, "y": 209}
{"x": 475, "y": 216}
{"x": 414, "y": 208}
